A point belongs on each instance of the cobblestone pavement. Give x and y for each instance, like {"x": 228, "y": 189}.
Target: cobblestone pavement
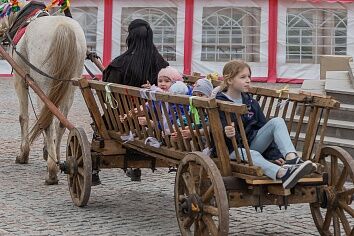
{"x": 117, "y": 207}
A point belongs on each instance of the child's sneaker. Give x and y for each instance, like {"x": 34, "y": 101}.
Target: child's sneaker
{"x": 294, "y": 161}
{"x": 296, "y": 172}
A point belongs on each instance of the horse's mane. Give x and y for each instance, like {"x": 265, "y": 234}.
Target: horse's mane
{"x": 6, "y": 22}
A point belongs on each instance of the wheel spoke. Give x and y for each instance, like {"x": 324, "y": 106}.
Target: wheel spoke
{"x": 210, "y": 224}
{"x": 201, "y": 171}
{"x": 336, "y": 225}
{"x": 334, "y": 168}
{"x": 78, "y": 185}
{"x": 80, "y": 181}
{"x": 346, "y": 208}
{"x": 71, "y": 144}
{"x": 208, "y": 194}
{"x": 344, "y": 221}
{"x": 189, "y": 182}
{"x": 187, "y": 222}
{"x": 327, "y": 220}
{"x": 80, "y": 171}
{"x": 347, "y": 192}
{"x": 79, "y": 160}
{"x": 75, "y": 186}
{"x": 341, "y": 179}
{"x": 211, "y": 210}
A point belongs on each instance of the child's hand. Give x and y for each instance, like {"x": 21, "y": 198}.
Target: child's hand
{"x": 122, "y": 118}
{"x": 280, "y": 161}
{"x": 142, "y": 120}
{"x": 230, "y": 130}
{"x": 186, "y": 133}
{"x": 147, "y": 85}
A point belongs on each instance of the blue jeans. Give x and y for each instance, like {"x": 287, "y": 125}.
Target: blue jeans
{"x": 274, "y": 130}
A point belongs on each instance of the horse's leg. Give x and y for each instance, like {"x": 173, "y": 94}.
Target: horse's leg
{"x": 51, "y": 177}
{"x": 22, "y": 91}
{"x": 60, "y": 129}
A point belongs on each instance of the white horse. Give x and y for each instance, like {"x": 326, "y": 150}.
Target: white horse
{"x": 57, "y": 46}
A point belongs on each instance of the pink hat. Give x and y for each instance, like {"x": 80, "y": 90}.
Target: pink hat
{"x": 171, "y": 73}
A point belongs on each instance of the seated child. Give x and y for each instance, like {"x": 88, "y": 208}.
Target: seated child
{"x": 260, "y": 132}
{"x": 201, "y": 88}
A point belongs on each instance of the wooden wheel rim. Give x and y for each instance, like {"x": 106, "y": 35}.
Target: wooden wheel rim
{"x": 78, "y": 149}
{"x": 337, "y": 197}
{"x": 216, "y": 193}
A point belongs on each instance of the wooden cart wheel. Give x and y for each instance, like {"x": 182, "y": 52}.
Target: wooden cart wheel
{"x": 79, "y": 164}
{"x": 200, "y": 197}
{"x": 334, "y": 214}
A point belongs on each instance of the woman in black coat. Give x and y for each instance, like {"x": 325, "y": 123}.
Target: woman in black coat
{"x": 141, "y": 63}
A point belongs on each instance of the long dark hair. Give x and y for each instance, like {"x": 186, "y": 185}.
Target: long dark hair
{"x": 142, "y": 52}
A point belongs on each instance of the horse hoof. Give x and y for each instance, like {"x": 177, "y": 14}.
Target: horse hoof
{"x": 51, "y": 181}
{"x": 21, "y": 160}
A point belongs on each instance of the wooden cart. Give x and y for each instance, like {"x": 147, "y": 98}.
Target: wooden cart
{"x": 205, "y": 187}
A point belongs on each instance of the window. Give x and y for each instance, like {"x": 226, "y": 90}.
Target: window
{"x": 315, "y": 32}
{"x": 87, "y": 18}
{"x": 163, "y": 23}
{"x": 231, "y": 33}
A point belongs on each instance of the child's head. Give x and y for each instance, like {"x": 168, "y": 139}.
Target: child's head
{"x": 237, "y": 76}
{"x": 179, "y": 88}
{"x": 167, "y": 76}
{"x": 202, "y": 88}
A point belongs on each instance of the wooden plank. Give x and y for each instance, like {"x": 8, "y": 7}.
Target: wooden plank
{"x": 299, "y": 124}
{"x": 104, "y": 108}
{"x": 303, "y": 194}
{"x": 232, "y": 107}
{"x": 165, "y": 97}
{"x": 117, "y": 161}
{"x": 233, "y": 139}
{"x": 278, "y": 190}
{"x": 284, "y": 95}
{"x": 109, "y": 110}
{"x": 111, "y": 147}
{"x": 323, "y": 131}
{"x": 189, "y": 121}
{"x": 270, "y": 107}
{"x": 310, "y": 133}
{"x": 93, "y": 108}
{"x": 292, "y": 115}
{"x": 244, "y": 140}
{"x": 218, "y": 135}
{"x": 259, "y": 180}
{"x": 205, "y": 127}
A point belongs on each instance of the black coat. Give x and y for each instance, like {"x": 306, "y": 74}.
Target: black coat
{"x": 118, "y": 72}
{"x": 252, "y": 121}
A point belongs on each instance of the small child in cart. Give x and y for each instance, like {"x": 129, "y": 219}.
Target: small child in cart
{"x": 260, "y": 132}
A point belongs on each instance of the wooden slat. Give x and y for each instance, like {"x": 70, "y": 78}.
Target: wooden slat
{"x": 175, "y": 126}
{"x": 299, "y": 124}
{"x": 179, "y": 113}
{"x": 310, "y": 133}
{"x": 277, "y": 108}
{"x": 285, "y": 110}
{"x": 150, "y": 130}
{"x": 244, "y": 140}
{"x": 123, "y": 98}
{"x": 232, "y": 107}
{"x": 133, "y": 105}
{"x": 205, "y": 127}
{"x": 121, "y": 110}
{"x": 116, "y": 117}
{"x": 154, "y": 119}
{"x": 233, "y": 139}
{"x": 323, "y": 131}
{"x": 103, "y": 106}
{"x": 292, "y": 115}
{"x": 196, "y": 139}
{"x": 160, "y": 117}
{"x": 93, "y": 108}
{"x": 264, "y": 103}
{"x": 109, "y": 110}
{"x": 218, "y": 135}
{"x": 270, "y": 108}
